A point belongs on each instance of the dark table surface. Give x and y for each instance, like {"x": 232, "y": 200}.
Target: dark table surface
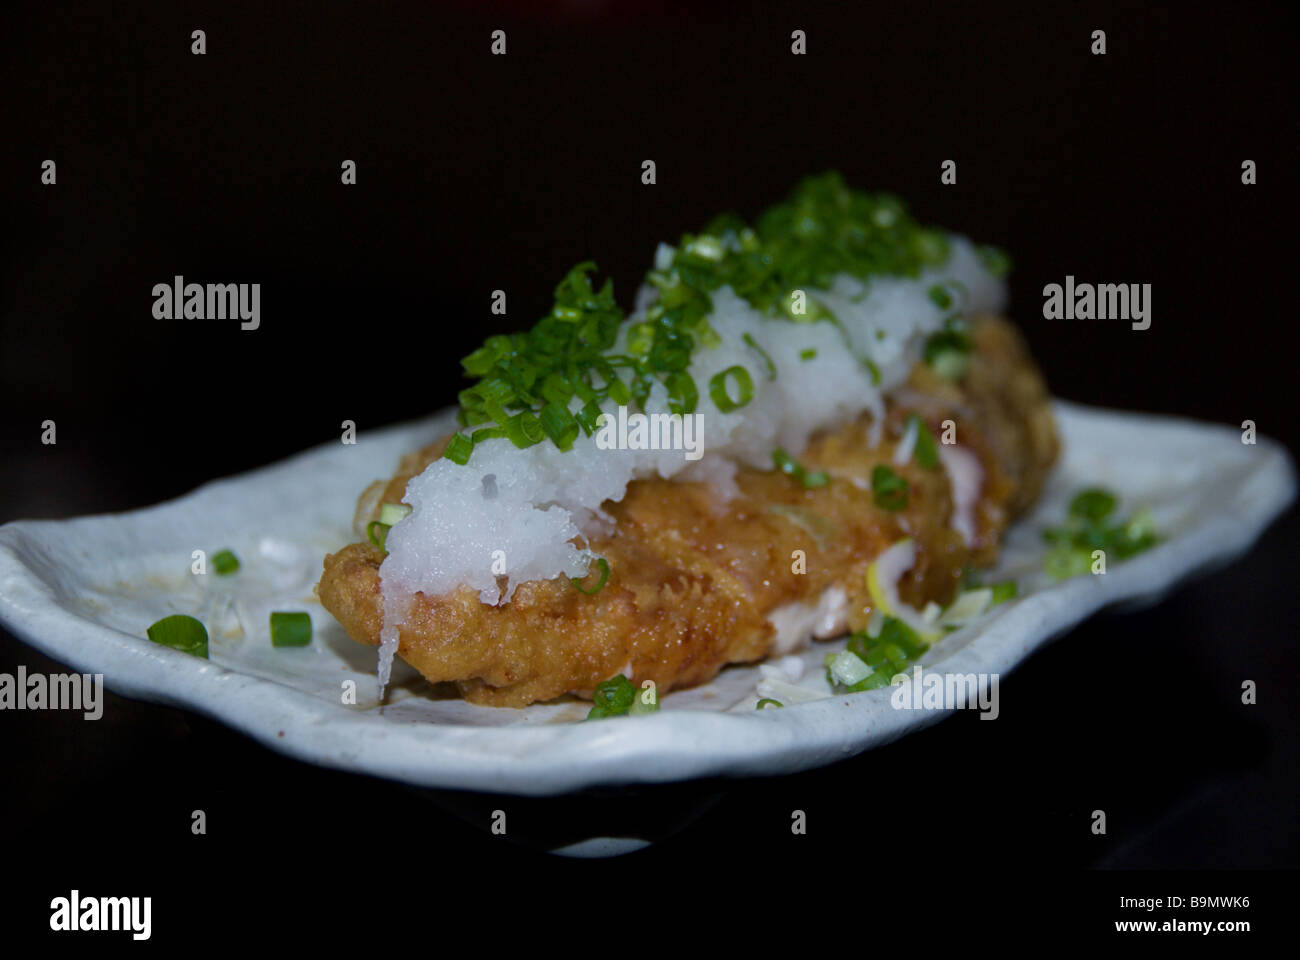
{"x": 479, "y": 173}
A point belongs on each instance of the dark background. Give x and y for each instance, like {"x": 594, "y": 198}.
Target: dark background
{"x": 478, "y": 172}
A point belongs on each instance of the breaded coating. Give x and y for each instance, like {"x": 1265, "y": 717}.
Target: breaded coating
{"x": 694, "y": 581}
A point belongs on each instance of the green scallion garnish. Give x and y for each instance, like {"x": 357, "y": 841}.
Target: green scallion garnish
{"x": 377, "y": 533}
{"x": 792, "y": 468}
{"x": 1094, "y": 504}
{"x": 890, "y": 652}
{"x": 1002, "y": 592}
{"x": 809, "y": 353}
{"x": 290, "y": 629}
{"x": 603, "y": 565}
{"x": 458, "y": 449}
{"x": 525, "y": 382}
{"x": 926, "y": 449}
{"x": 559, "y": 424}
{"x": 744, "y": 389}
{"x": 995, "y": 260}
{"x": 767, "y": 361}
{"x": 888, "y": 488}
{"x": 224, "y": 562}
{"x": 1089, "y": 528}
{"x": 767, "y": 703}
{"x": 948, "y": 353}
{"x": 181, "y": 632}
{"x": 612, "y": 698}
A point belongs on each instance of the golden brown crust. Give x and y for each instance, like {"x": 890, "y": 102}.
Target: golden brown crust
{"x": 693, "y": 581}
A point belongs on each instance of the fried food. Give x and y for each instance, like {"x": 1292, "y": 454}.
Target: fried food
{"x": 699, "y": 581}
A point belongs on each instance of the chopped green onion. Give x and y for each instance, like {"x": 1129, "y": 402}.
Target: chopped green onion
{"x": 767, "y": 703}
{"x": 290, "y": 629}
{"x": 792, "y": 468}
{"x": 559, "y": 425}
{"x": 848, "y": 668}
{"x": 524, "y": 429}
{"x": 1062, "y": 563}
{"x": 682, "y": 395}
{"x": 995, "y": 260}
{"x": 815, "y": 478}
{"x": 224, "y": 562}
{"x": 890, "y": 652}
{"x": 377, "y": 533}
{"x": 889, "y": 488}
{"x": 786, "y": 463}
{"x": 181, "y": 632}
{"x": 391, "y": 513}
{"x": 458, "y": 449}
{"x": 809, "y": 353}
{"x": 612, "y": 698}
{"x": 940, "y": 297}
{"x": 966, "y": 606}
{"x": 1093, "y": 503}
{"x": 1090, "y": 527}
{"x": 744, "y": 387}
{"x": 948, "y": 353}
{"x": 1004, "y": 591}
{"x": 927, "y": 451}
{"x": 603, "y": 565}
{"x": 767, "y": 361}
{"x": 821, "y": 231}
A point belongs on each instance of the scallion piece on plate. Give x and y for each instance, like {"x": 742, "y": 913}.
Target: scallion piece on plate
{"x": 1004, "y": 591}
{"x": 612, "y": 698}
{"x": 224, "y": 562}
{"x": 1091, "y": 526}
{"x": 767, "y": 703}
{"x": 181, "y": 632}
{"x": 290, "y": 629}
{"x": 848, "y": 668}
{"x": 1093, "y": 503}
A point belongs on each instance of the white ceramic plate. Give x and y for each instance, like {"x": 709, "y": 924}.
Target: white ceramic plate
{"x": 85, "y": 590}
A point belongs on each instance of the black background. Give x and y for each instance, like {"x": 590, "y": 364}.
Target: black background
{"x": 478, "y": 172}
